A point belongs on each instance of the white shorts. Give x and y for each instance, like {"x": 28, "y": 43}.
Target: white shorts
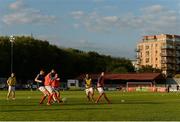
{"x": 100, "y": 90}
{"x": 89, "y": 90}
{"x": 11, "y": 88}
{"x": 49, "y": 89}
{"x": 43, "y": 90}
{"x": 55, "y": 89}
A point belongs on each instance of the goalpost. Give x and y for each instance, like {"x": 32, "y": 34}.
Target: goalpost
{"x": 140, "y": 86}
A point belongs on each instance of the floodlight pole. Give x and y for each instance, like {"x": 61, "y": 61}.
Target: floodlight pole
{"x": 12, "y": 39}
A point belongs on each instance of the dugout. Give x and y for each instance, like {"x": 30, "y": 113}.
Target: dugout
{"x": 119, "y": 81}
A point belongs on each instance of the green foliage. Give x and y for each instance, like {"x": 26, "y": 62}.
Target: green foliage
{"x": 149, "y": 68}
{"x": 120, "y": 65}
{"x": 120, "y": 70}
{"x": 31, "y": 55}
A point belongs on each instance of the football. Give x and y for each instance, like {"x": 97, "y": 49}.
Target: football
{"x": 122, "y": 101}
{"x": 64, "y": 99}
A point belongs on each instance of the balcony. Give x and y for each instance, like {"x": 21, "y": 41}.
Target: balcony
{"x": 138, "y": 57}
{"x": 168, "y": 67}
{"x": 177, "y": 54}
{"x": 178, "y": 48}
{"x": 177, "y": 62}
{"x": 168, "y": 54}
{"x": 168, "y": 61}
{"x": 137, "y": 50}
{"x": 138, "y": 62}
{"x": 168, "y": 47}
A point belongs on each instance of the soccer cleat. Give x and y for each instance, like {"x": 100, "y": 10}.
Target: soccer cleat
{"x": 40, "y": 103}
{"x": 48, "y": 104}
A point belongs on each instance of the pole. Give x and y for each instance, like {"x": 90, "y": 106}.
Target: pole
{"x": 11, "y": 57}
{"x": 12, "y": 44}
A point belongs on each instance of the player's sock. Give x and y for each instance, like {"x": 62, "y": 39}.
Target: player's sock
{"x": 49, "y": 99}
{"x": 88, "y": 98}
{"x": 42, "y": 100}
{"x": 56, "y": 97}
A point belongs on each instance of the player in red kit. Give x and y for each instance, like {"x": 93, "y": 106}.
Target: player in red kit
{"x": 49, "y": 79}
{"x": 55, "y": 86}
{"x": 100, "y": 86}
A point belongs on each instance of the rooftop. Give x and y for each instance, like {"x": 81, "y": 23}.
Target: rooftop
{"x": 127, "y": 76}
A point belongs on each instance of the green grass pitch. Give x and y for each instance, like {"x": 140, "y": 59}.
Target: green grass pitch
{"x": 136, "y": 106}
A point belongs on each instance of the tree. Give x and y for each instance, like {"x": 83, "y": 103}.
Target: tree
{"x": 148, "y": 68}
{"x": 31, "y": 55}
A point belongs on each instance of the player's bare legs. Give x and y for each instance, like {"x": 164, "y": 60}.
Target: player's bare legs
{"x": 49, "y": 99}
{"x": 103, "y": 94}
{"x": 13, "y": 95}
{"x": 42, "y": 99}
{"x": 56, "y": 97}
{"x": 9, "y": 92}
{"x": 99, "y": 97}
{"x": 92, "y": 97}
{"x": 107, "y": 98}
{"x": 88, "y": 96}
{"x": 45, "y": 94}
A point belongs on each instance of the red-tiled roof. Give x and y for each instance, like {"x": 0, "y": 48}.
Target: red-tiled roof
{"x": 129, "y": 76}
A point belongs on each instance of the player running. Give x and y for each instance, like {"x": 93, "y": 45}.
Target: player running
{"x": 89, "y": 89}
{"x": 51, "y": 77}
{"x": 100, "y": 86}
{"x": 56, "y": 88}
{"x": 40, "y": 78}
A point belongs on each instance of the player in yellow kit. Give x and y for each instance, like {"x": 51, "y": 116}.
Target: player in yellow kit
{"x": 89, "y": 88}
{"x": 11, "y": 82}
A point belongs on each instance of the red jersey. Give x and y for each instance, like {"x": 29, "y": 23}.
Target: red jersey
{"x": 100, "y": 82}
{"x": 48, "y": 80}
{"x": 55, "y": 83}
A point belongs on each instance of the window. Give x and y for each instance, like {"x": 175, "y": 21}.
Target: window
{"x": 147, "y": 60}
{"x": 147, "y": 47}
{"x": 72, "y": 84}
{"x": 147, "y": 53}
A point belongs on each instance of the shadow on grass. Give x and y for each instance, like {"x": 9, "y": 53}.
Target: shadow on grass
{"x": 138, "y": 102}
{"x": 85, "y": 104}
{"x": 72, "y": 103}
{"x": 59, "y": 109}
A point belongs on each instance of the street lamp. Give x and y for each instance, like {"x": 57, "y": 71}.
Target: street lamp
{"x": 12, "y": 39}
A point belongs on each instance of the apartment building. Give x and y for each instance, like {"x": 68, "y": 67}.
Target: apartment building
{"x": 160, "y": 51}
